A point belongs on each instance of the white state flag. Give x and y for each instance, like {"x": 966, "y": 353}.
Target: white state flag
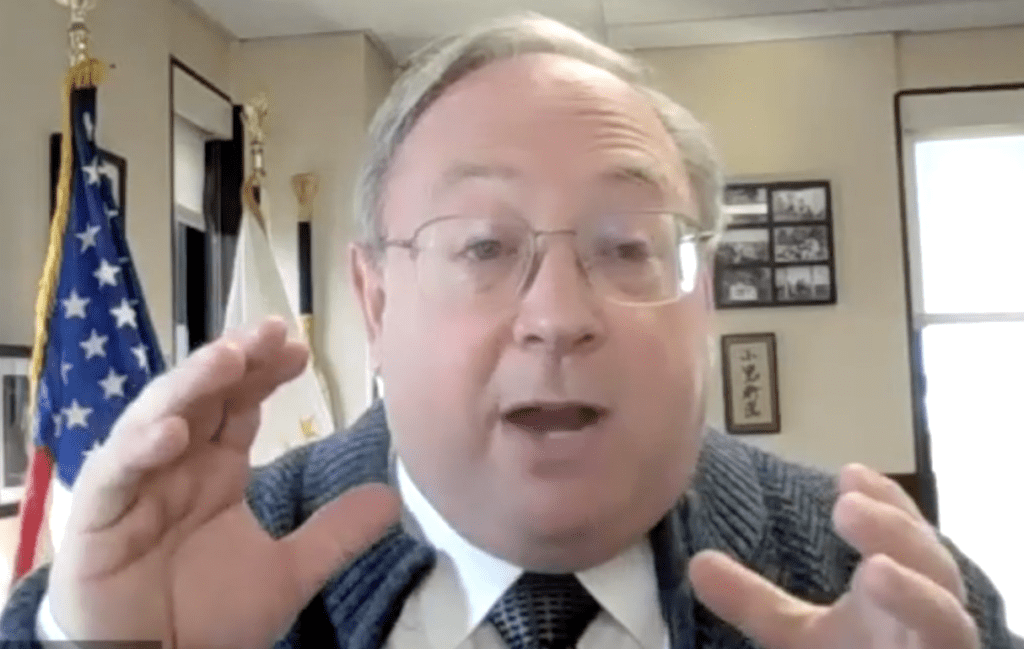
{"x": 297, "y": 412}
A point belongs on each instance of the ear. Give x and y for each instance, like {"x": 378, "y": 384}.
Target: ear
{"x": 368, "y": 284}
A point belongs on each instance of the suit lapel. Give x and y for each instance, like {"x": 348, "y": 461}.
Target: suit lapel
{"x": 724, "y": 510}
{"x": 365, "y": 600}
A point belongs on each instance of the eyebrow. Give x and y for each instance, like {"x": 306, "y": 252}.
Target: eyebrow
{"x": 462, "y": 171}
{"x": 638, "y": 174}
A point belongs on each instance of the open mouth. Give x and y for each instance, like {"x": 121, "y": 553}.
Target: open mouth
{"x": 550, "y": 418}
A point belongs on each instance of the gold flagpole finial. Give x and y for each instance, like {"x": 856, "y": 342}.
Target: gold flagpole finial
{"x": 306, "y": 186}
{"x": 254, "y": 113}
{"x": 78, "y": 32}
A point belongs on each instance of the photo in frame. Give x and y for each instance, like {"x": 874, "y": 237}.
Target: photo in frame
{"x": 15, "y": 426}
{"x": 777, "y": 249}
{"x": 751, "y": 383}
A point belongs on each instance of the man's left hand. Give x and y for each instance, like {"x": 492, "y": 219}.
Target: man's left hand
{"x": 907, "y": 592}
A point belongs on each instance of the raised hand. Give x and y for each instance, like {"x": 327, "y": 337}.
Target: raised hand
{"x": 907, "y": 593}
{"x": 160, "y": 544}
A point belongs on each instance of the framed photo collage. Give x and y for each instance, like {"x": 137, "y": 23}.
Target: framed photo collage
{"x": 778, "y": 248}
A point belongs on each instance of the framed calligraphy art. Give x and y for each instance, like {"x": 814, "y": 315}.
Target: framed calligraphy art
{"x": 751, "y": 382}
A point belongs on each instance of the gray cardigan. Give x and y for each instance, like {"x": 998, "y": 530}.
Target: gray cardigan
{"x": 772, "y": 515}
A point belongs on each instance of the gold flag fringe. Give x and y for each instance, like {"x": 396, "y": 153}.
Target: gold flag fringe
{"x": 89, "y": 73}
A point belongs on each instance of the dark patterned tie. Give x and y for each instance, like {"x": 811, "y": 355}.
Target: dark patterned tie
{"x": 543, "y": 612}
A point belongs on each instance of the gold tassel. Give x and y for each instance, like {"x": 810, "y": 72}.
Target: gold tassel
{"x": 89, "y": 73}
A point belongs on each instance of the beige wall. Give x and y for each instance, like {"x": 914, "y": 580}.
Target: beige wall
{"x": 805, "y": 110}
{"x": 823, "y": 108}
{"x": 201, "y": 45}
{"x": 983, "y": 56}
{"x": 321, "y": 90}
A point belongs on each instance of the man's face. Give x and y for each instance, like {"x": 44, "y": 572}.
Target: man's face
{"x": 554, "y": 428}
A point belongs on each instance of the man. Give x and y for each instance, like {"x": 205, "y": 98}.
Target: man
{"x": 534, "y": 278}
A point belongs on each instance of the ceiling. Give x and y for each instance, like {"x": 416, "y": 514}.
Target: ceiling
{"x": 403, "y": 25}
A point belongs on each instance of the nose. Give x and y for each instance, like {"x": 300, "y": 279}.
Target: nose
{"x": 559, "y": 312}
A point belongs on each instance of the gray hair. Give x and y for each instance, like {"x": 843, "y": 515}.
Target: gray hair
{"x": 433, "y": 69}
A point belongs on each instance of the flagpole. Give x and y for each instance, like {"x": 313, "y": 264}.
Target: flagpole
{"x": 84, "y": 72}
{"x": 306, "y": 185}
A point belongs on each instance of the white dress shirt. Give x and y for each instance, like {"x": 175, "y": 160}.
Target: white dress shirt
{"x": 447, "y": 609}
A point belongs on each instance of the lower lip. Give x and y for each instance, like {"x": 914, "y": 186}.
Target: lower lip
{"x": 557, "y": 447}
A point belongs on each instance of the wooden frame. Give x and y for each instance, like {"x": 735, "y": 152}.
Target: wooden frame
{"x": 15, "y": 426}
{"x": 778, "y": 248}
{"x": 751, "y": 383}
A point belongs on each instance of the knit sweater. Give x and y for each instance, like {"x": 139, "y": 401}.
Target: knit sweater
{"x": 773, "y": 516}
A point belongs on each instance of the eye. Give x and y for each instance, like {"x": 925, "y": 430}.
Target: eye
{"x": 487, "y": 249}
{"x": 632, "y": 250}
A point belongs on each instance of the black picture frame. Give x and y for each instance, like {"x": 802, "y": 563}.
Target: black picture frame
{"x": 111, "y": 165}
{"x": 15, "y": 426}
{"x": 778, "y": 248}
{"x": 750, "y": 380}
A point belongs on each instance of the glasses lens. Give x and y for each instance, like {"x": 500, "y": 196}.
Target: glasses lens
{"x": 642, "y": 258}
{"x": 472, "y": 258}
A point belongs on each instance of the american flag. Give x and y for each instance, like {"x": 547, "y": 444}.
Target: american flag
{"x": 101, "y": 349}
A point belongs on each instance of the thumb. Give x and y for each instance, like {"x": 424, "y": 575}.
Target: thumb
{"x": 337, "y": 533}
{"x": 739, "y": 596}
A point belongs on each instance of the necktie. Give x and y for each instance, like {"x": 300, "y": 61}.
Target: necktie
{"x": 543, "y": 612}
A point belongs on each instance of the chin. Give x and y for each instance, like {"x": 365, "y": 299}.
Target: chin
{"x": 560, "y": 537}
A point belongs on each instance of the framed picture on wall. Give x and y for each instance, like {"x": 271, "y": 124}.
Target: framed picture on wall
{"x": 15, "y": 426}
{"x": 778, "y": 247}
{"x": 751, "y": 383}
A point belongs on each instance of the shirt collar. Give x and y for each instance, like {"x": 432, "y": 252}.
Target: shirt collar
{"x": 625, "y": 586}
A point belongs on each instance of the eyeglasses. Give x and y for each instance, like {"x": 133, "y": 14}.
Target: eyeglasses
{"x": 634, "y": 258}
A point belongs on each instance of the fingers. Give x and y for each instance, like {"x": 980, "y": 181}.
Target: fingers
{"x": 930, "y": 610}
{"x": 876, "y": 516}
{"x": 742, "y": 598}
{"x": 336, "y": 534}
{"x": 107, "y": 484}
{"x": 203, "y": 375}
{"x": 875, "y": 527}
{"x": 857, "y": 477}
{"x": 182, "y": 408}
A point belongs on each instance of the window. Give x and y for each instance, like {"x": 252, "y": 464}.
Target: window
{"x": 964, "y": 157}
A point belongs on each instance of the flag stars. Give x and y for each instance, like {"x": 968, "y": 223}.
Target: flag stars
{"x": 93, "y": 345}
{"x": 74, "y": 306}
{"x": 88, "y": 237}
{"x": 92, "y": 449}
{"x": 106, "y": 274}
{"x": 142, "y": 356}
{"x": 90, "y": 126}
{"x": 64, "y": 369}
{"x": 113, "y": 385}
{"x": 92, "y": 172}
{"x": 77, "y": 415}
{"x": 125, "y": 315}
{"x": 58, "y": 420}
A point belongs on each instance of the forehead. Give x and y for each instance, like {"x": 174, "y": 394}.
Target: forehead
{"x": 540, "y": 114}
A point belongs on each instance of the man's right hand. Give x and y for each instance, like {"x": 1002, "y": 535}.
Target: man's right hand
{"x": 160, "y": 544}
